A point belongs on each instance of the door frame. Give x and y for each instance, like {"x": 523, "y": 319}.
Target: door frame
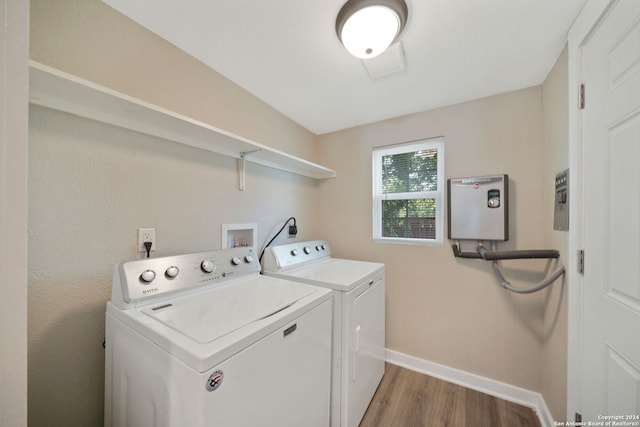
{"x": 581, "y": 30}
{"x": 14, "y": 118}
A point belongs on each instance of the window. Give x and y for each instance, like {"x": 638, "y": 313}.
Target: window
{"x": 408, "y": 185}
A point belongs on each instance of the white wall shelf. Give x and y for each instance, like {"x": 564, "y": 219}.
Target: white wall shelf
{"x": 58, "y": 90}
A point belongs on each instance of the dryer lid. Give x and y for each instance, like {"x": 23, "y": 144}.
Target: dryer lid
{"x": 208, "y": 316}
{"x": 335, "y": 273}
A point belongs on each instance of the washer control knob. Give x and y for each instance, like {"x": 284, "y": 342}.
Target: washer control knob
{"x": 207, "y": 266}
{"x": 147, "y": 276}
{"x": 172, "y": 272}
{"x": 248, "y": 259}
{"x": 324, "y": 247}
{"x": 307, "y": 250}
{"x": 318, "y": 248}
{"x": 235, "y": 260}
{"x": 294, "y": 252}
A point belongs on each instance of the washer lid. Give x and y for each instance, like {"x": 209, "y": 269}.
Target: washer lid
{"x": 207, "y": 316}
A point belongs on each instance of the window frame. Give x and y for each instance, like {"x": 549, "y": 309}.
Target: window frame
{"x": 378, "y": 196}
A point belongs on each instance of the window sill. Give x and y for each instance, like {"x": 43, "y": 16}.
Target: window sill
{"x": 413, "y": 242}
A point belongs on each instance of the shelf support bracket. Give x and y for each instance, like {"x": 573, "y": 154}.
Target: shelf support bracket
{"x": 243, "y": 165}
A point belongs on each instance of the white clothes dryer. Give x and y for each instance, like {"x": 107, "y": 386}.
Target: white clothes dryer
{"x": 203, "y": 339}
{"x": 358, "y": 319}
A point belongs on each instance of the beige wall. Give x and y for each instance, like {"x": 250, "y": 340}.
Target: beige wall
{"x": 92, "y": 185}
{"x": 555, "y": 119}
{"x": 452, "y": 311}
{"x": 446, "y": 310}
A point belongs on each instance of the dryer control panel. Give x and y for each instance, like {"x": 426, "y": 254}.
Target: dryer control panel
{"x": 295, "y": 254}
{"x": 144, "y": 281}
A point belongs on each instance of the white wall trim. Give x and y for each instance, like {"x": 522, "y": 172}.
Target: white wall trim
{"x": 479, "y": 383}
{"x": 14, "y": 119}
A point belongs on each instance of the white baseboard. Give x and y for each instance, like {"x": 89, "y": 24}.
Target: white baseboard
{"x": 495, "y": 388}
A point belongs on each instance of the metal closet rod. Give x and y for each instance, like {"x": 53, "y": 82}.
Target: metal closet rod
{"x": 483, "y": 253}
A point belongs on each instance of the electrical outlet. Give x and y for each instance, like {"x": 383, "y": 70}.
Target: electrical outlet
{"x": 146, "y": 235}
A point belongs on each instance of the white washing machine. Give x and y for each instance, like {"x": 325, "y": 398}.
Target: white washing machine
{"x": 358, "y": 319}
{"x": 203, "y": 339}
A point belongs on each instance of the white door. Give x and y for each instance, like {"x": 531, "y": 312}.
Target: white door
{"x": 611, "y": 341}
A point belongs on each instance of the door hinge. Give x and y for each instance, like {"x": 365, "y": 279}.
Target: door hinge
{"x": 581, "y": 96}
{"x": 581, "y": 261}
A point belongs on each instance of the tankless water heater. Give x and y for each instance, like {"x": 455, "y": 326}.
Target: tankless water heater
{"x": 478, "y": 208}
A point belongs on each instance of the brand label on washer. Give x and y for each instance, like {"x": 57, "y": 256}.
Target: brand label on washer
{"x": 214, "y": 380}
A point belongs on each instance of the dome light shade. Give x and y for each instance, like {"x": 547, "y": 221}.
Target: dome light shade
{"x": 367, "y": 28}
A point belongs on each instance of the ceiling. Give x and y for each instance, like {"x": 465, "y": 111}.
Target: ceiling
{"x": 287, "y": 54}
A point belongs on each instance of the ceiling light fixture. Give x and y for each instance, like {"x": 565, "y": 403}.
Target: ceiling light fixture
{"x": 367, "y": 28}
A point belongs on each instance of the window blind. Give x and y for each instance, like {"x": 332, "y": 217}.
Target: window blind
{"x": 408, "y": 182}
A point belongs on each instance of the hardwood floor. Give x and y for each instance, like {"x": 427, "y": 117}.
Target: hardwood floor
{"x": 410, "y": 399}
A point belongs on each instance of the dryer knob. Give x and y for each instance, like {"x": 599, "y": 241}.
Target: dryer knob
{"x": 248, "y": 259}
{"x": 147, "y": 276}
{"x": 307, "y": 250}
{"x": 172, "y": 272}
{"x": 294, "y": 252}
{"x": 208, "y": 266}
{"x": 235, "y": 260}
